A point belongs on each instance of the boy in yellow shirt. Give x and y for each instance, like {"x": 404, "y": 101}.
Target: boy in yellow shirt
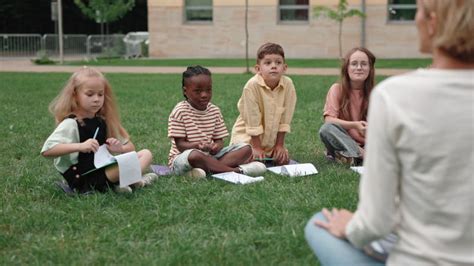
{"x": 266, "y": 107}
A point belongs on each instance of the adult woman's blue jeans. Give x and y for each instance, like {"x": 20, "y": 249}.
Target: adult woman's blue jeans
{"x": 331, "y": 250}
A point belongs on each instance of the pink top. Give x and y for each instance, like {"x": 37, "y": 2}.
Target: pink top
{"x": 332, "y": 108}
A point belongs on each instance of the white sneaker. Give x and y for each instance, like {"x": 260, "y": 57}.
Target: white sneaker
{"x": 149, "y": 178}
{"x": 146, "y": 180}
{"x": 253, "y": 168}
{"x": 196, "y": 173}
{"x": 125, "y": 190}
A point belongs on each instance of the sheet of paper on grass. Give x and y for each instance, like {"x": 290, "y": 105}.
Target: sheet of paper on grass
{"x": 237, "y": 178}
{"x": 129, "y": 165}
{"x": 293, "y": 170}
{"x": 358, "y": 169}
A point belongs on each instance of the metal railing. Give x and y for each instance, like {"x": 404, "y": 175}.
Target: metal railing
{"x": 20, "y": 45}
{"x": 73, "y": 44}
{"x": 90, "y": 46}
{"x": 105, "y": 45}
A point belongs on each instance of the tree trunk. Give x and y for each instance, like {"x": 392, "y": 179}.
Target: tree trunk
{"x": 247, "y": 36}
{"x": 340, "y": 39}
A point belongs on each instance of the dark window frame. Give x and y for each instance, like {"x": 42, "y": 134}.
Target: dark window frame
{"x": 294, "y": 7}
{"x": 188, "y": 20}
{"x": 392, "y": 9}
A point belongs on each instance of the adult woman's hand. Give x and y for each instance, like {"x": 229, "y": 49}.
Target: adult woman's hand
{"x": 336, "y": 221}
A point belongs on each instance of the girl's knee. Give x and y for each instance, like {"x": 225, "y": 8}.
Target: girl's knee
{"x": 145, "y": 155}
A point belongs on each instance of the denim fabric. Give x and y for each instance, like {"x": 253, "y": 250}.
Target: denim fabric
{"x": 336, "y": 138}
{"x": 331, "y": 250}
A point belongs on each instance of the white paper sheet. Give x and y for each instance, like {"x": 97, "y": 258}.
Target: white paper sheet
{"x": 293, "y": 170}
{"x": 129, "y": 165}
{"x": 102, "y": 157}
{"x": 358, "y": 169}
{"x": 129, "y": 168}
{"x": 237, "y": 178}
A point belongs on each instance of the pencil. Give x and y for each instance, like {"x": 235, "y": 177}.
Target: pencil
{"x": 95, "y": 134}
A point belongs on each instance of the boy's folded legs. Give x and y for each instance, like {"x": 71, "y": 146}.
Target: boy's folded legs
{"x": 235, "y": 154}
{"x": 181, "y": 165}
{"x": 209, "y": 163}
{"x": 195, "y": 163}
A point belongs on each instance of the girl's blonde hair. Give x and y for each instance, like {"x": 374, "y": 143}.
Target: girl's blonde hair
{"x": 454, "y": 27}
{"x": 65, "y": 103}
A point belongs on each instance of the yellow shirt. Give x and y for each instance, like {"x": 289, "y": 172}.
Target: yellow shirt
{"x": 264, "y": 112}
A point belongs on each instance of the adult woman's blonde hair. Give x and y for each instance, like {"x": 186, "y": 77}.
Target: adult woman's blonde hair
{"x": 65, "y": 103}
{"x": 454, "y": 27}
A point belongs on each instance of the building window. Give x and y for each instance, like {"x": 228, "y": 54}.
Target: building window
{"x": 198, "y": 10}
{"x": 401, "y": 10}
{"x": 293, "y": 10}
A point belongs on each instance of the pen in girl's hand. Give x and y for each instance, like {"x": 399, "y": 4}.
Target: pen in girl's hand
{"x": 95, "y": 134}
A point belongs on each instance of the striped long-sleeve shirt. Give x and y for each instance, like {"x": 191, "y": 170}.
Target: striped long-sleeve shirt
{"x": 194, "y": 125}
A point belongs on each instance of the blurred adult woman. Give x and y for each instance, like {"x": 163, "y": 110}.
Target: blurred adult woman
{"x": 418, "y": 165}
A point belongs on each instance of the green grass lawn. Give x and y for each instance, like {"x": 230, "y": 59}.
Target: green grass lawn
{"x": 304, "y": 63}
{"x": 177, "y": 221}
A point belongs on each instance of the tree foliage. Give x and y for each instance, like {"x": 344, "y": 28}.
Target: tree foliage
{"x": 34, "y": 16}
{"x": 105, "y": 11}
{"x": 339, "y": 15}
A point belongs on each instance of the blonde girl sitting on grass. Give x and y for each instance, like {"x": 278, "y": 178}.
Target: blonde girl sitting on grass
{"x": 86, "y": 116}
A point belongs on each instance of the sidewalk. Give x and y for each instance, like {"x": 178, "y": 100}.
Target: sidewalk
{"x": 25, "y": 65}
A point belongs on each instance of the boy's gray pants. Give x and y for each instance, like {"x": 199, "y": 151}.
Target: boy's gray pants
{"x": 336, "y": 138}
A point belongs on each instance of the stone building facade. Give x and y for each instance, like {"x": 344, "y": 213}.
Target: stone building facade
{"x": 187, "y": 29}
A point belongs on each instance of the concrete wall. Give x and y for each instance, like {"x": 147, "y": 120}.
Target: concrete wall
{"x": 224, "y": 37}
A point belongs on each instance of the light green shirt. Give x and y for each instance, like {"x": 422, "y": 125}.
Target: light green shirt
{"x": 65, "y": 132}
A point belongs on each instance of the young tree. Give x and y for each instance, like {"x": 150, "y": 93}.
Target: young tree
{"x": 338, "y": 15}
{"x": 247, "y": 36}
{"x": 105, "y": 11}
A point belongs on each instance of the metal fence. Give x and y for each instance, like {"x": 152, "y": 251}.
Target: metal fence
{"x": 73, "y": 44}
{"x": 90, "y": 46}
{"x": 105, "y": 45}
{"x": 20, "y": 45}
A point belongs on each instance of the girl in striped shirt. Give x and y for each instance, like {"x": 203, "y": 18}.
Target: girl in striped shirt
{"x": 196, "y": 129}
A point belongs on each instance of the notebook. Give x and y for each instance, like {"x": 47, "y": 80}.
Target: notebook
{"x": 237, "y": 178}
{"x": 358, "y": 169}
{"x": 292, "y": 170}
{"x": 128, "y": 163}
